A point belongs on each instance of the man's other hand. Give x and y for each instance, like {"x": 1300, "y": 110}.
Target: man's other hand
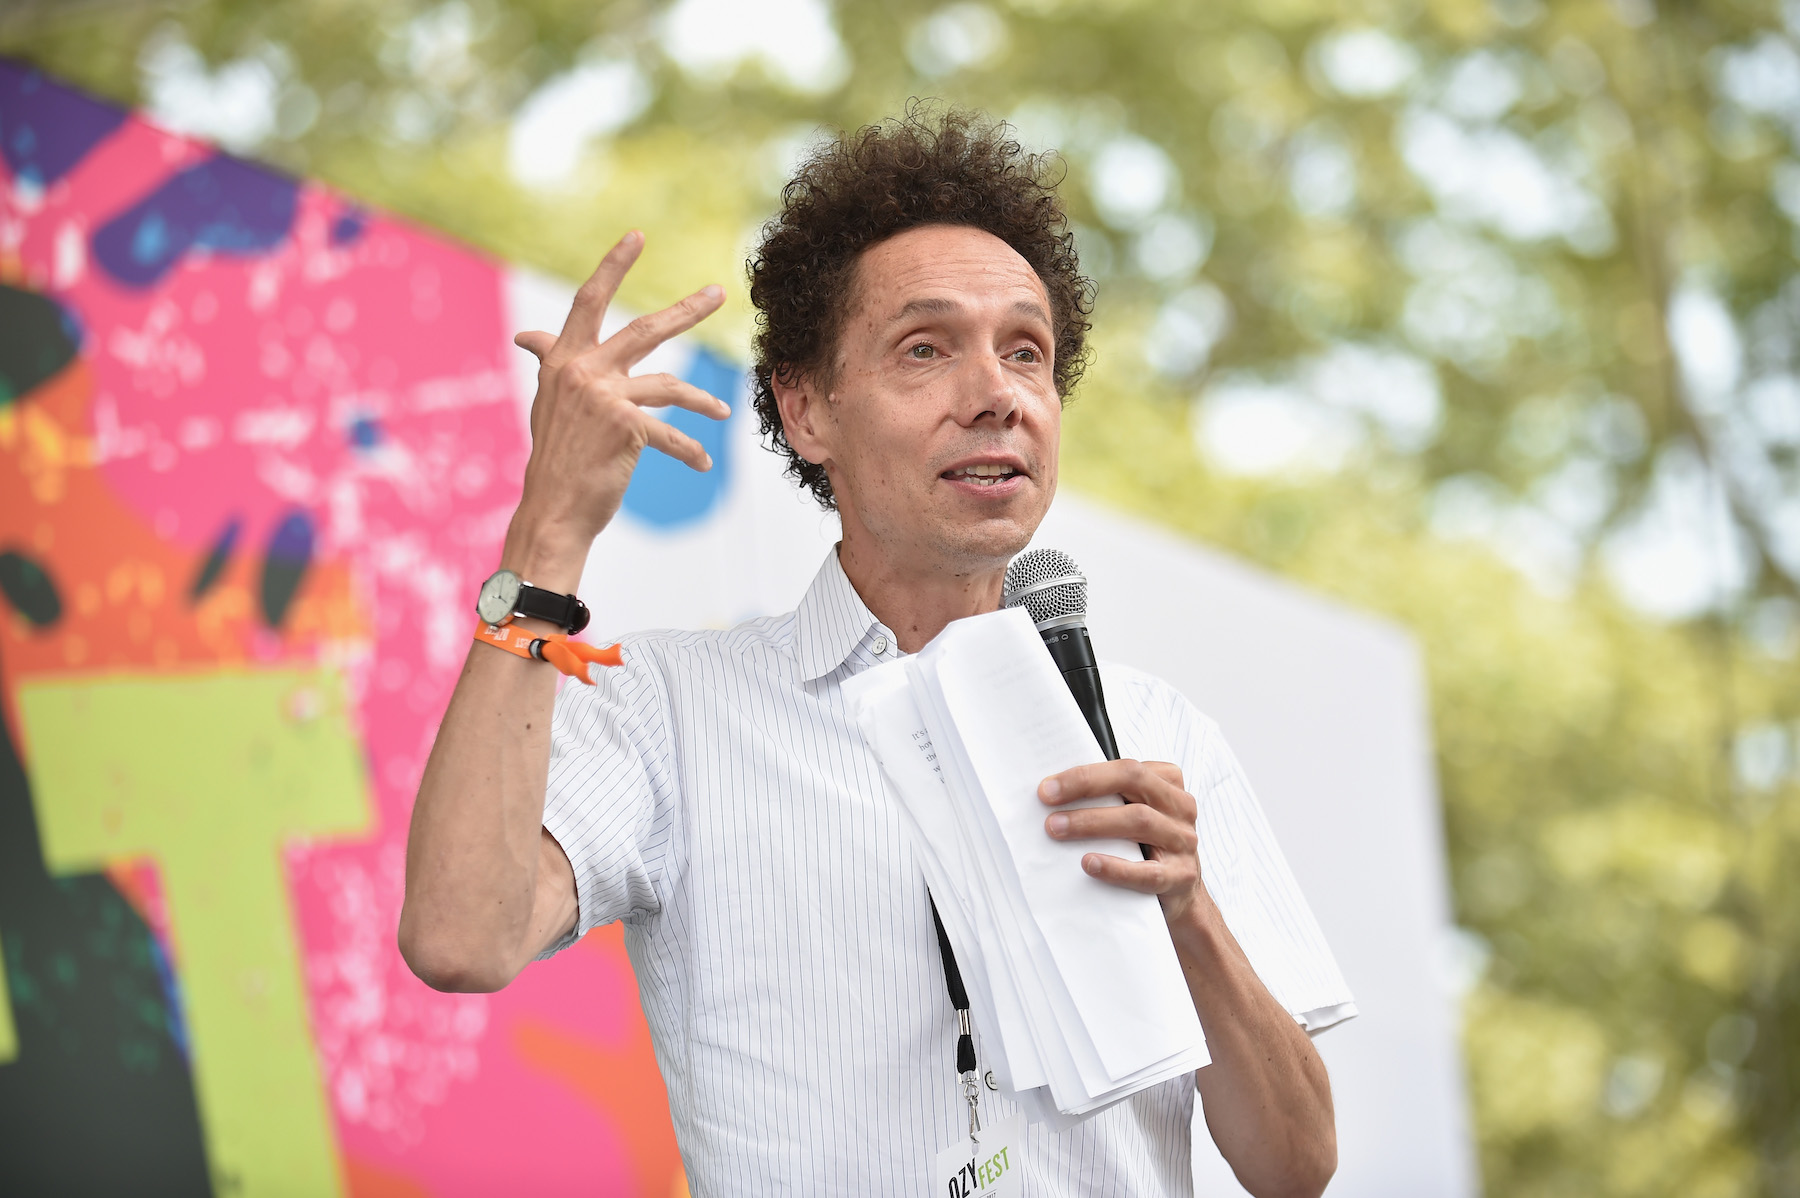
{"x": 588, "y": 423}
{"x": 1266, "y": 1093}
{"x": 1158, "y": 814}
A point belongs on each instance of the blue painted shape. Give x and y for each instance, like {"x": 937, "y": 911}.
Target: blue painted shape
{"x": 38, "y": 337}
{"x": 290, "y": 554}
{"x": 222, "y": 205}
{"x": 174, "y": 1017}
{"x": 293, "y": 539}
{"x": 217, "y": 558}
{"x": 348, "y": 227}
{"x": 46, "y": 128}
{"x": 364, "y": 432}
{"x": 669, "y": 494}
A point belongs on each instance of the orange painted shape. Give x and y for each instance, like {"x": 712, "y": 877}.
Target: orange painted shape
{"x": 125, "y": 587}
{"x": 625, "y": 1085}
{"x": 373, "y": 1181}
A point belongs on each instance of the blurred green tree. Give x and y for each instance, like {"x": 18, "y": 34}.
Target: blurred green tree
{"x": 1477, "y": 312}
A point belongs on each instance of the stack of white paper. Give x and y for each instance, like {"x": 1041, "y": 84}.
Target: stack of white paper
{"x": 1073, "y": 980}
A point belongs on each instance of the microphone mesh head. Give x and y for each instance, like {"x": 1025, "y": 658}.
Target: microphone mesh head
{"x": 1048, "y": 584}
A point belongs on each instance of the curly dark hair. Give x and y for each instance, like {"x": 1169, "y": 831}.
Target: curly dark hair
{"x": 954, "y": 168}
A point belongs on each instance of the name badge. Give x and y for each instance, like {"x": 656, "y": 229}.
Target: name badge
{"x": 988, "y": 1167}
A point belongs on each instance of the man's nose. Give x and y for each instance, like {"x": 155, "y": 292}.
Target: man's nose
{"x": 989, "y": 392}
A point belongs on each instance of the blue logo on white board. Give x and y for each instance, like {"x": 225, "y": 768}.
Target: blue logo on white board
{"x": 667, "y": 493}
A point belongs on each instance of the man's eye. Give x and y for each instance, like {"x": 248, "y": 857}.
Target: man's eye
{"x": 923, "y": 351}
{"x": 1027, "y": 354}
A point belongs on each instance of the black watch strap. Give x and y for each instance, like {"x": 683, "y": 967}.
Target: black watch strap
{"x": 566, "y": 611}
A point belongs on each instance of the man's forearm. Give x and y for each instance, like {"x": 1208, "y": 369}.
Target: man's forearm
{"x": 473, "y": 854}
{"x": 1266, "y": 1093}
{"x": 1268, "y": 1101}
{"x": 486, "y": 887}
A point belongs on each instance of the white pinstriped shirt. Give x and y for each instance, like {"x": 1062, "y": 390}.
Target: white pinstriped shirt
{"x": 714, "y": 793}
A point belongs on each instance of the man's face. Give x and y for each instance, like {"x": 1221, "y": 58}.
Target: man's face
{"x": 941, "y": 427}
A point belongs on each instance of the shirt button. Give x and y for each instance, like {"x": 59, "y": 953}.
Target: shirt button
{"x": 880, "y": 645}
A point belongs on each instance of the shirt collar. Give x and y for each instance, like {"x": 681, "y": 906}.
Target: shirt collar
{"x": 831, "y": 622}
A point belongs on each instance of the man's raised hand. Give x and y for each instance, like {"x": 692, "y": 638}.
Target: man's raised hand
{"x": 588, "y": 424}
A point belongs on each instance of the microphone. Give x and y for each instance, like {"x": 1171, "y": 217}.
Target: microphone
{"x": 1048, "y": 584}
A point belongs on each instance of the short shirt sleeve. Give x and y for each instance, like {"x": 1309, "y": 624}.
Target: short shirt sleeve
{"x": 612, "y": 797}
{"x": 1245, "y": 870}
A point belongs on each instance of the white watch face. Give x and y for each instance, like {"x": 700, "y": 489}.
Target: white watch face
{"x": 498, "y": 596}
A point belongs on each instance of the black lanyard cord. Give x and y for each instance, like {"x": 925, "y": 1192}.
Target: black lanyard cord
{"x": 959, "y": 998}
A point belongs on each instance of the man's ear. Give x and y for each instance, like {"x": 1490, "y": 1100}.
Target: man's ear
{"x": 803, "y": 417}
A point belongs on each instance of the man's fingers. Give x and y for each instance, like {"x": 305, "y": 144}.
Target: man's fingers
{"x": 1146, "y": 877}
{"x": 581, "y": 331}
{"x": 1168, "y": 771}
{"x": 1088, "y": 781}
{"x": 631, "y": 344}
{"x": 664, "y": 390}
{"x": 1137, "y": 781}
{"x": 1134, "y": 821}
{"x": 677, "y": 444}
{"x": 1179, "y": 803}
{"x": 538, "y": 342}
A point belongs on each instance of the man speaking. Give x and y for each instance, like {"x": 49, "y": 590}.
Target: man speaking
{"x": 922, "y": 318}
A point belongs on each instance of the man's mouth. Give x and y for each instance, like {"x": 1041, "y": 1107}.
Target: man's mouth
{"x": 983, "y": 475}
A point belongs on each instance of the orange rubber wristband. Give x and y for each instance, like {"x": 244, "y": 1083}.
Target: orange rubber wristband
{"x": 569, "y": 657}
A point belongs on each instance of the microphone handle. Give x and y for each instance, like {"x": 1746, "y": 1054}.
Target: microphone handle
{"x": 1073, "y": 653}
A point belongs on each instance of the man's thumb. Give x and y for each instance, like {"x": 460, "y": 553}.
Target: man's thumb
{"x": 539, "y": 343}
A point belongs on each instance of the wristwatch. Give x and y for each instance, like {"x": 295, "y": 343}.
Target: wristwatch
{"x": 505, "y": 595}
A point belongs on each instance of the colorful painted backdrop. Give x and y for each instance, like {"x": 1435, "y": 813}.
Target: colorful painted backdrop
{"x": 258, "y": 446}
